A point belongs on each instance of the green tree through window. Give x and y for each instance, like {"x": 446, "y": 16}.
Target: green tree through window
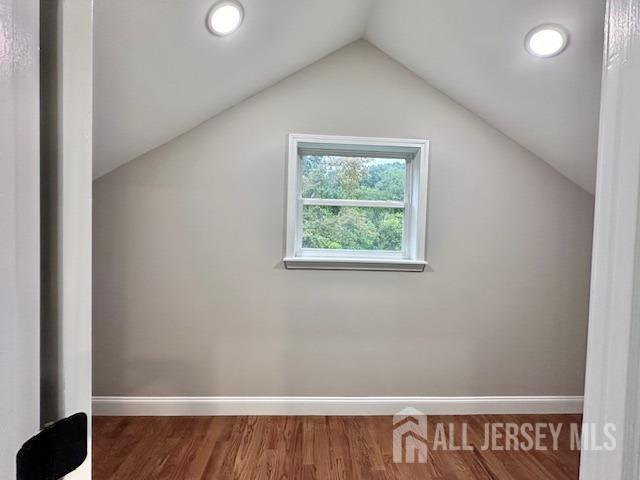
{"x": 353, "y": 178}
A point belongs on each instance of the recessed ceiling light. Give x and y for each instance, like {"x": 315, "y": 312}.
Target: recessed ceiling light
{"x": 225, "y": 17}
{"x": 546, "y": 40}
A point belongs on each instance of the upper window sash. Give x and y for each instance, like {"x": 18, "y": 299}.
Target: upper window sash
{"x": 334, "y": 202}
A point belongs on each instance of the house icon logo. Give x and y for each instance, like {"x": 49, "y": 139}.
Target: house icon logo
{"x": 410, "y": 443}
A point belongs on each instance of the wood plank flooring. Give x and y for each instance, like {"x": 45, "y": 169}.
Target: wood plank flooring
{"x": 301, "y": 448}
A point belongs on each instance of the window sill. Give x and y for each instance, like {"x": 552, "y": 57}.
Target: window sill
{"x": 388, "y": 265}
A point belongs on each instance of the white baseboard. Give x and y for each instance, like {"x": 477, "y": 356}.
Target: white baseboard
{"x": 206, "y": 406}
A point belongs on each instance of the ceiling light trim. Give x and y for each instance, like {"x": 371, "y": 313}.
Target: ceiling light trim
{"x": 217, "y": 7}
{"x": 561, "y": 30}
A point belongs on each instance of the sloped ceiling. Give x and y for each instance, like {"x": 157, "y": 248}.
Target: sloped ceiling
{"x": 159, "y": 72}
{"x": 473, "y": 51}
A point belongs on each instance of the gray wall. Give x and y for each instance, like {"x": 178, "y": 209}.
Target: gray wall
{"x": 190, "y": 297}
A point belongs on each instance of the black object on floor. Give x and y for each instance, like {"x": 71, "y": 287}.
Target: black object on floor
{"x": 54, "y": 452}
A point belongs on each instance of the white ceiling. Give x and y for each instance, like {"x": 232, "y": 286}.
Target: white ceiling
{"x": 474, "y": 52}
{"x": 159, "y": 72}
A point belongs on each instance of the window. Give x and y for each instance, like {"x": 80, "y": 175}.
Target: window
{"x": 356, "y": 203}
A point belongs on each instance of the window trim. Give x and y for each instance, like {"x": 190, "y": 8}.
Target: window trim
{"x": 412, "y": 256}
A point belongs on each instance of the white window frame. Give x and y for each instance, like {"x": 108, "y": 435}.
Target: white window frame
{"x": 412, "y": 256}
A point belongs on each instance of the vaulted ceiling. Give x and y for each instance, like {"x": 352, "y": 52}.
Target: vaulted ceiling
{"x": 159, "y": 72}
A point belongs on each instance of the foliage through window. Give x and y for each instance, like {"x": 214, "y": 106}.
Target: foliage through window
{"x": 353, "y": 178}
{"x": 356, "y": 199}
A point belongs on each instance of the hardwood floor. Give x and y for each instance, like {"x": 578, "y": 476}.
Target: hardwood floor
{"x": 299, "y": 448}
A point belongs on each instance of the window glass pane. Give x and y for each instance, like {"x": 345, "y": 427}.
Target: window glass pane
{"x": 353, "y": 178}
{"x": 352, "y": 228}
